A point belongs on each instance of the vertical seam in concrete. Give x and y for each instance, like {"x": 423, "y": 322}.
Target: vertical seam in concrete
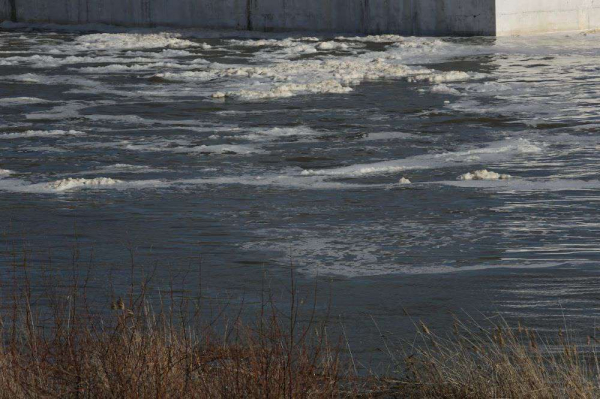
{"x": 13, "y": 10}
{"x": 494, "y": 31}
{"x": 413, "y": 17}
{"x": 249, "y": 14}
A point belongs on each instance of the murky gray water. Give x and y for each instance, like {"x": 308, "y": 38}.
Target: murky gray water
{"x": 257, "y": 152}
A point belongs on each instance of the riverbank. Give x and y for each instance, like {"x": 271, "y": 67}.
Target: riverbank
{"x": 58, "y": 343}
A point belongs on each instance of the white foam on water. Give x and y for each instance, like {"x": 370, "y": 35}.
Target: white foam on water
{"x": 328, "y": 46}
{"x": 223, "y": 149}
{"x": 484, "y": 174}
{"x": 325, "y": 75}
{"x": 25, "y": 78}
{"x": 144, "y": 67}
{"x": 493, "y": 87}
{"x": 389, "y": 136}
{"x": 122, "y": 168}
{"x": 16, "y": 101}
{"x": 129, "y": 41}
{"x": 492, "y": 152}
{"x": 404, "y": 181}
{"x": 527, "y": 185}
{"x": 121, "y": 68}
{"x": 47, "y": 61}
{"x": 369, "y": 266}
{"x": 166, "y": 53}
{"x": 71, "y": 183}
{"x": 40, "y": 134}
{"x": 288, "y": 90}
{"x": 387, "y": 39}
{"x": 287, "y": 181}
{"x": 277, "y": 133}
{"x": 5, "y": 173}
{"x": 441, "y": 77}
{"x": 445, "y": 89}
{"x": 178, "y": 146}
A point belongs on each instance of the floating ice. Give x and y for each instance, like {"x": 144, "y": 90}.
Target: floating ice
{"x": 5, "y": 173}
{"x": 404, "y": 180}
{"x": 484, "y": 174}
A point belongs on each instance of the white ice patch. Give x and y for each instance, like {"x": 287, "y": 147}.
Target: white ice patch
{"x": 484, "y": 174}
{"x": 130, "y": 41}
{"x": 5, "y": 173}
{"x": 404, "y": 181}
{"x": 41, "y": 134}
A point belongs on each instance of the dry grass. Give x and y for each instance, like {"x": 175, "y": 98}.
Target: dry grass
{"x": 57, "y": 345}
{"x": 153, "y": 360}
{"x": 499, "y": 362}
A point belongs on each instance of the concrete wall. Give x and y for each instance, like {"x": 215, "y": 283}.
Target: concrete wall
{"x": 515, "y": 17}
{"x": 409, "y": 17}
{"x": 5, "y": 10}
{"x": 418, "y": 17}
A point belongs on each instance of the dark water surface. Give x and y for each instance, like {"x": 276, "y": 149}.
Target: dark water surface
{"x": 254, "y": 153}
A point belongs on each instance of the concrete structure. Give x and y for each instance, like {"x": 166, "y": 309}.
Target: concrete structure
{"x": 541, "y": 16}
{"x": 408, "y": 17}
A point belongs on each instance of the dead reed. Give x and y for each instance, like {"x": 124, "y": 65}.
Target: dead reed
{"x": 55, "y": 344}
{"x": 498, "y": 362}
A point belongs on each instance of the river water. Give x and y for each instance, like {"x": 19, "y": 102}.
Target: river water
{"x": 430, "y": 175}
